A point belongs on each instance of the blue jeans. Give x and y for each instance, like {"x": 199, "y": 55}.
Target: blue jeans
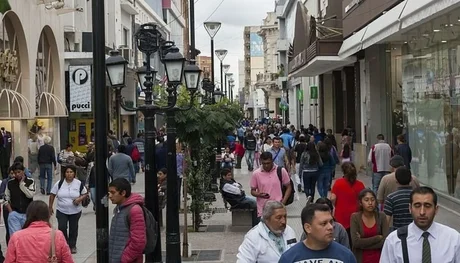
{"x": 92, "y": 192}
{"x": 323, "y": 182}
{"x": 250, "y": 158}
{"x": 376, "y": 178}
{"x": 46, "y": 173}
{"x": 15, "y": 222}
{"x": 309, "y": 183}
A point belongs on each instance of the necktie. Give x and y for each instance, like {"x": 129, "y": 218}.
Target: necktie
{"x": 426, "y": 254}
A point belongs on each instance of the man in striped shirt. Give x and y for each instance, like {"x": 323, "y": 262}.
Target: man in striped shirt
{"x": 397, "y": 203}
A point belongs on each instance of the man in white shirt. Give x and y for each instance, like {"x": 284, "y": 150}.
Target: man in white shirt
{"x": 427, "y": 241}
{"x": 379, "y": 157}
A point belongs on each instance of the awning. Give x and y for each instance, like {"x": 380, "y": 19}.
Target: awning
{"x": 420, "y": 11}
{"x": 14, "y": 105}
{"x": 322, "y": 64}
{"x": 51, "y": 106}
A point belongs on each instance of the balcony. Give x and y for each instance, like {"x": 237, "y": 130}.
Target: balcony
{"x": 320, "y": 57}
{"x": 282, "y": 45}
{"x": 128, "y": 7}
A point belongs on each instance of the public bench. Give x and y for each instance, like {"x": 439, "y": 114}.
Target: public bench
{"x": 242, "y": 216}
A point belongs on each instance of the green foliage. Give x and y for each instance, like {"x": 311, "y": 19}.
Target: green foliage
{"x": 4, "y": 6}
{"x": 198, "y": 181}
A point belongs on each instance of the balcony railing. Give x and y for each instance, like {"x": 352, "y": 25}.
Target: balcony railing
{"x": 317, "y": 48}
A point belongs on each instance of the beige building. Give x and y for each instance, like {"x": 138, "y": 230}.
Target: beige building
{"x": 266, "y": 81}
{"x": 32, "y": 94}
{"x": 204, "y": 63}
{"x": 253, "y": 65}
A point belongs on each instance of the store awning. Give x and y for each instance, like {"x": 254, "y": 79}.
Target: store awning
{"x": 322, "y": 64}
{"x": 14, "y": 105}
{"x": 51, "y": 106}
{"x": 419, "y": 11}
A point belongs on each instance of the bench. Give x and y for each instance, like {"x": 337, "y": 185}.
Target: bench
{"x": 242, "y": 216}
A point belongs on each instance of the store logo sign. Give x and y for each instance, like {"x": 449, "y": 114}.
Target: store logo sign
{"x": 80, "y": 88}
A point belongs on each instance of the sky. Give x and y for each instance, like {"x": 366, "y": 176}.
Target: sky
{"x": 234, "y": 16}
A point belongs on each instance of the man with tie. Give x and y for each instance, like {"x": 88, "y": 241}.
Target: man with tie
{"x": 423, "y": 240}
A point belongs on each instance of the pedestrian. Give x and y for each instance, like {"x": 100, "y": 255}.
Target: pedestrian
{"x": 344, "y": 196}
{"x": 310, "y": 163}
{"x": 266, "y": 242}
{"x": 345, "y": 154}
{"x": 340, "y": 234}
{"x": 250, "y": 146}
{"x": 37, "y": 239}
{"x": 423, "y": 240}
{"x": 403, "y": 149}
{"x": 379, "y": 156}
{"x": 162, "y": 176}
{"x": 325, "y": 171}
{"x": 181, "y": 164}
{"x": 46, "y": 159}
{"x": 70, "y": 193}
{"x": 92, "y": 185}
{"x": 121, "y": 165}
{"x": 280, "y": 157}
{"x": 266, "y": 185}
{"x": 239, "y": 152}
{"x": 66, "y": 158}
{"x": 389, "y": 184}
{"x": 299, "y": 148}
{"x": 127, "y": 237}
{"x": 19, "y": 193}
{"x": 33, "y": 153}
{"x": 317, "y": 223}
{"x": 369, "y": 228}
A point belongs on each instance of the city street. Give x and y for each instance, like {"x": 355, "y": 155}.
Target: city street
{"x": 220, "y": 242}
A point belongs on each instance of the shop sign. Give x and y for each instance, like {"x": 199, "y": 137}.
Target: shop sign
{"x": 9, "y": 65}
{"x": 80, "y": 88}
{"x": 314, "y": 92}
{"x": 300, "y": 95}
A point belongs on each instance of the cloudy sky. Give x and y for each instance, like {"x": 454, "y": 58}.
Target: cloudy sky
{"x": 234, "y": 16}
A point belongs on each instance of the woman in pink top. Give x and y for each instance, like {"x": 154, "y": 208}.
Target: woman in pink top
{"x": 33, "y": 242}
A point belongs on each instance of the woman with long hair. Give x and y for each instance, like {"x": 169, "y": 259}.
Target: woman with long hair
{"x": 34, "y": 242}
{"x": 310, "y": 162}
{"x": 369, "y": 228}
{"x": 344, "y": 195}
{"x": 325, "y": 171}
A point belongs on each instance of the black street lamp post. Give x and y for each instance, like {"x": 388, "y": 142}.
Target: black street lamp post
{"x": 226, "y": 69}
{"x": 101, "y": 128}
{"x": 231, "y": 86}
{"x": 212, "y": 28}
{"x": 221, "y": 54}
{"x": 149, "y": 41}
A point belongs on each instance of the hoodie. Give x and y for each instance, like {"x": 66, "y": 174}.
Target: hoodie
{"x": 127, "y": 239}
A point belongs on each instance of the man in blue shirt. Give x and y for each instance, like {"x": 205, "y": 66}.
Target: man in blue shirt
{"x": 287, "y": 139}
{"x": 319, "y": 246}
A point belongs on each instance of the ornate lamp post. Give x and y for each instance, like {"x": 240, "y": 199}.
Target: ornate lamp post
{"x": 221, "y": 54}
{"x": 148, "y": 40}
{"x": 226, "y": 69}
{"x": 212, "y": 28}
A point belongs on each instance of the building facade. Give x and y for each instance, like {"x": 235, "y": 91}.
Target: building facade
{"x": 407, "y": 54}
{"x": 266, "y": 81}
{"x": 204, "y": 63}
{"x": 253, "y": 64}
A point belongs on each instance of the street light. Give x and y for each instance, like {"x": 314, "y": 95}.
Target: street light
{"x": 218, "y": 95}
{"x": 226, "y": 69}
{"x": 148, "y": 40}
{"x": 192, "y": 75}
{"x": 221, "y": 54}
{"x": 212, "y": 28}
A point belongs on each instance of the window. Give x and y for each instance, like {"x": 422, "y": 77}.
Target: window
{"x": 125, "y": 37}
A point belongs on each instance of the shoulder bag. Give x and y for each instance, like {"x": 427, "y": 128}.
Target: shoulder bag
{"x": 52, "y": 255}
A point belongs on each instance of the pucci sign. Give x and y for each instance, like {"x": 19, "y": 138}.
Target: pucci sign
{"x": 80, "y": 88}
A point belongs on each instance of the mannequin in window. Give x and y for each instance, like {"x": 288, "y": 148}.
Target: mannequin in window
{"x": 6, "y": 143}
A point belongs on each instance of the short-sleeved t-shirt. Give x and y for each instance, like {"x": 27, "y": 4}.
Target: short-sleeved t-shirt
{"x": 65, "y": 196}
{"x": 333, "y": 253}
{"x": 278, "y": 156}
{"x": 347, "y": 200}
{"x": 268, "y": 182}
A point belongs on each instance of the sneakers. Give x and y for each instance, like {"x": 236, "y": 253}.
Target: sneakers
{"x": 309, "y": 200}
{"x": 42, "y": 191}
{"x": 73, "y": 250}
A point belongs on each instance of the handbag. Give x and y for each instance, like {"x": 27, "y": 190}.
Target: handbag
{"x": 52, "y": 255}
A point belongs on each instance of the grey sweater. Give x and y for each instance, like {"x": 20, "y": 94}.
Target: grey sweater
{"x": 121, "y": 166}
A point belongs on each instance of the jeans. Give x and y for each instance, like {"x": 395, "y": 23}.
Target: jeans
{"x": 72, "y": 221}
{"x": 15, "y": 222}
{"x": 250, "y": 158}
{"x": 46, "y": 173}
{"x": 92, "y": 192}
{"x": 251, "y": 203}
{"x": 136, "y": 167}
{"x": 376, "y": 178}
{"x": 323, "y": 182}
{"x": 309, "y": 183}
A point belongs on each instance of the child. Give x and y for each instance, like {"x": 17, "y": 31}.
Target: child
{"x": 228, "y": 159}
{"x": 345, "y": 154}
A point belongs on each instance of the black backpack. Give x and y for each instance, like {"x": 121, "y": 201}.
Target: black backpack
{"x": 283, "y": 188}
{"x": 151, "y": 227}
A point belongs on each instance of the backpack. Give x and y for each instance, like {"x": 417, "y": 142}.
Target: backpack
{"x": 402, "y": 234}
{"x": 86, "y": 201}
{"x": 135, "y": 154}
{"x": 283, "y": 188}
{"x": 151, "y": 227}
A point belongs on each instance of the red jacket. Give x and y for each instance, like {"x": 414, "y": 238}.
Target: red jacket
{"x": 239, "y": 149}
{"x": 33, "y": 245}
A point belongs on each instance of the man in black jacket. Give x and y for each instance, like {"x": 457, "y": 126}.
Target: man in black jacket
{"x": 46, "y": 158}
{"x": 250, "y": 145}
{"x": 19, "y": 193}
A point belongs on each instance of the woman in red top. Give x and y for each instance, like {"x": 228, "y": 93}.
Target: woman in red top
{"x": 239, "y": 152}
{"x": 369, "y": 228}
{"x": 344, "y": 196}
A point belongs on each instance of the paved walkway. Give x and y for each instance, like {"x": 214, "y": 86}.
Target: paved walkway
{"x": 220, "y": 240}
